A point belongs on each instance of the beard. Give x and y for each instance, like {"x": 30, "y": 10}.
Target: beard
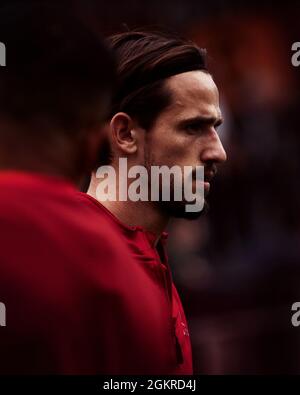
{"x": 173, "y": 208}
{"x": 177, "y": 209}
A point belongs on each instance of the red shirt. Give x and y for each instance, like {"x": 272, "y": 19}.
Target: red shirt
{"x": 157, "y": 282}
{"x": 76, "y": 302}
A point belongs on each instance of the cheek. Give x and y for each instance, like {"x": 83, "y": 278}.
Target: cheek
{"x": 172, "y": 148}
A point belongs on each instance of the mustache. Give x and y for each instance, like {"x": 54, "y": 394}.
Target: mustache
{"x": 209, "y": 172}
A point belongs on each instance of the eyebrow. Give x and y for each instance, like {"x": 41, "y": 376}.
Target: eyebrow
{"x": 201, "y": 120}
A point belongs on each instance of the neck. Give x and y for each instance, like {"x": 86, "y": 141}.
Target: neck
{"x": 140, "y": 213}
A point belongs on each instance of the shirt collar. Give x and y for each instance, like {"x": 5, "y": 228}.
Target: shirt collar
{"x": 130, "y": 230}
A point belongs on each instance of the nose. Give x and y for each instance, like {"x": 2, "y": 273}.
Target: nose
{"x": 214, "y": 151}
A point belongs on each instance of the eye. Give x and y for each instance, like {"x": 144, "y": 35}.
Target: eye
{"x": 194, "y": 128}
{"x": 217, "y": 124}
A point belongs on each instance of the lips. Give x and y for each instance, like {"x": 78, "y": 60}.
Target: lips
{"x": 206, "y": 188}
{"x": 209, "y": 174}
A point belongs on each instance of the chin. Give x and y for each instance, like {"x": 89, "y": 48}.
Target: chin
{"x": 177, "y": 210}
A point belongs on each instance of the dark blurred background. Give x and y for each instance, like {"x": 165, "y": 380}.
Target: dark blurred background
{"x": 237, "y": 268}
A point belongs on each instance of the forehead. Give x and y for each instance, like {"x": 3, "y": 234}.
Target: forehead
{"x": 194, "y": 93}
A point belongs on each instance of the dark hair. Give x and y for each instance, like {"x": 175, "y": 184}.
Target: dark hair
{"x": 55, "y": 67}
{"x": 144, "y": 61}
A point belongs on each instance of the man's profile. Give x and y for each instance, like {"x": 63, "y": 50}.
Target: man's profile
{"x": 165, "y": 113}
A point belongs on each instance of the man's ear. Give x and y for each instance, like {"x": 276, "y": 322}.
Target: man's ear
{"x": 123, "y": 133}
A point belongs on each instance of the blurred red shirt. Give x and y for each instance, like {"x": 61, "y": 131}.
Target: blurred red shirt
{"x": 157, "y": 281}
{"x": 76, "y": 301}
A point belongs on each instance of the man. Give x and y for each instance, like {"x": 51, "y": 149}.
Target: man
{"x": 166, "y": 112}
{"x": 63, "y": 274}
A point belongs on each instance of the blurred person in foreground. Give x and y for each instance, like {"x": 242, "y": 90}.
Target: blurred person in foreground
{"x": 64, "y": 274}
{"x": 166, "y": 112}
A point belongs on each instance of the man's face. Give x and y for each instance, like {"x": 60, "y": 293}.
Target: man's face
{"x": 185, "y": 133}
